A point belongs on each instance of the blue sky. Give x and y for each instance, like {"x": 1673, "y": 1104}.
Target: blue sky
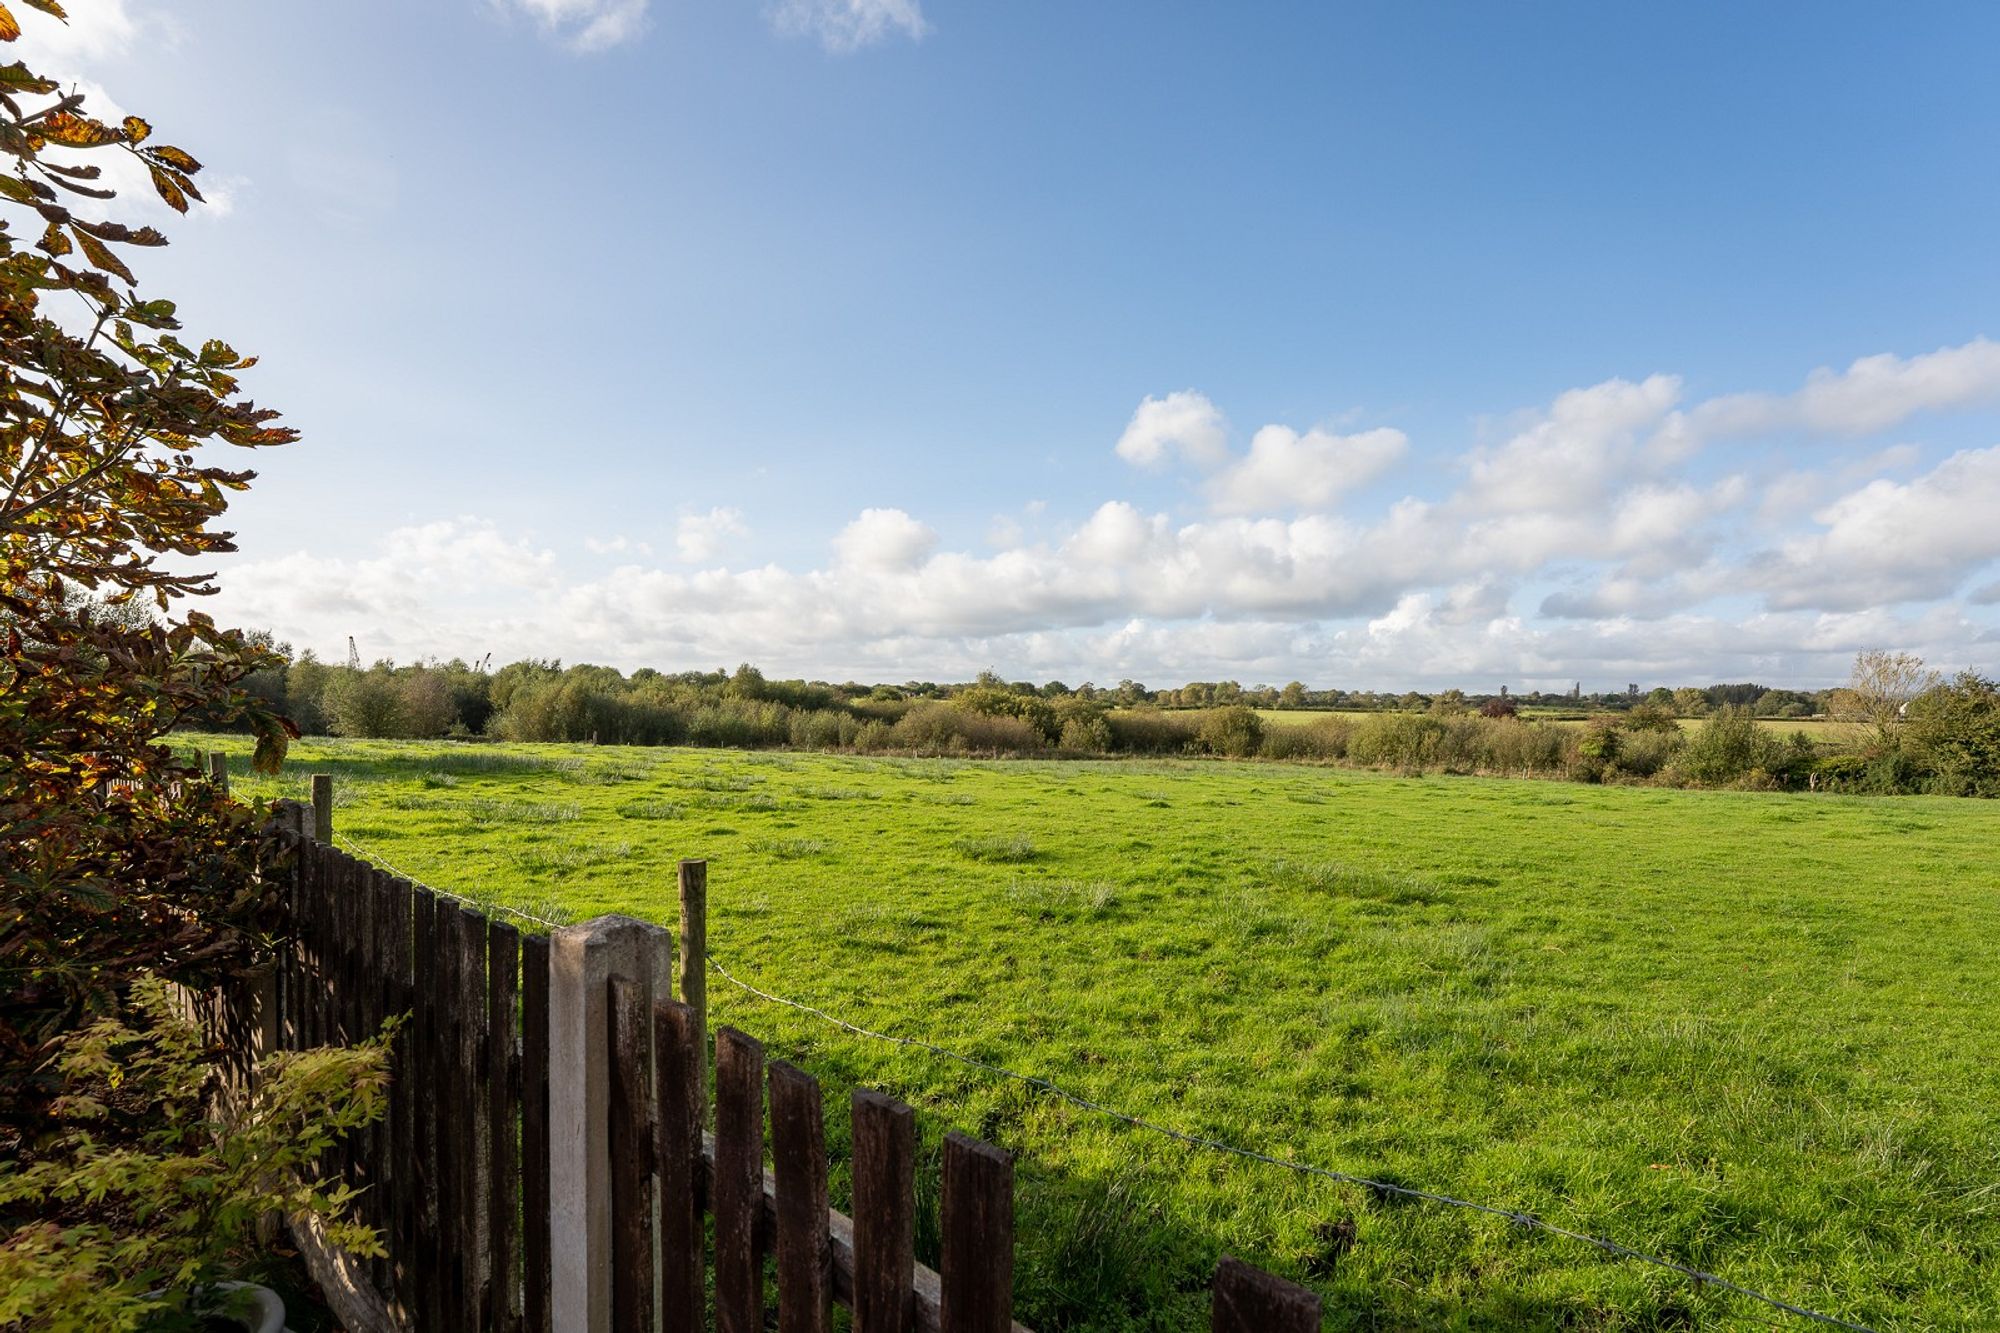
{"x": 1361, "y": 344}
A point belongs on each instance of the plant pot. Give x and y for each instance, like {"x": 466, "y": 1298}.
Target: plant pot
{"x": 257, "y": 1309}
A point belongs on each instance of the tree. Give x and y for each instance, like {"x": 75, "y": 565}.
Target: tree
{"x": 1879, "y": 689}
{"x": 118, "y": 859}
{"x": 1954, "y": 731}
{"x": 1690, "y": 702}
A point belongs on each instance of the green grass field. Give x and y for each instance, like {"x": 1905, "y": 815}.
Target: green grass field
{"x": 1755, "y": 1033}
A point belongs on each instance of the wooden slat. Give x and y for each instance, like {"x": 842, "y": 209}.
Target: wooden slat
{"x": 426, "y": 1019}
{"x": 473, "y": 1127}
{"x": 677, "y": 1069}
{"x": 446, "y": 1035}
{"x": 370, "y": 1141}
{"x": 737, "y": 1182}
{"x": 405, "y": 1093}
{"x": 503, "y": 1100}
{"x": 535, "y": 1133}
{"x": 630, "y": 1140}
{"x": 840, "y": 1236}
{"x": 1249, "y": 1300}
{"x": 977, "y": 1219}
{"x": 798, "y": 1151}
{"x": 884, "y": 1213}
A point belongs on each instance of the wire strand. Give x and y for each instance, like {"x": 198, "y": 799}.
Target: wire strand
{"x": 1519, "y": 1218}
{"x": 383, "y": 862}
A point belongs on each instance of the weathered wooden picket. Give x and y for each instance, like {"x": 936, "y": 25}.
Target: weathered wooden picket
{"x": 547, "y": 1163}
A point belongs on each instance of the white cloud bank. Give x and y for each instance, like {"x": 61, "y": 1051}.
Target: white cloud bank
{"x": 1595, "y": 541}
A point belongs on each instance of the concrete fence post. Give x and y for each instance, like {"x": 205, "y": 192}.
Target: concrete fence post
{"x": 582, "y": 961}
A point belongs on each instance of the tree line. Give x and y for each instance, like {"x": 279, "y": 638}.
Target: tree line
{"x": 1906, "y": 728}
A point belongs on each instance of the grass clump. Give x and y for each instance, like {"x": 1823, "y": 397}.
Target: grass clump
{"x": 1011, "y": 849}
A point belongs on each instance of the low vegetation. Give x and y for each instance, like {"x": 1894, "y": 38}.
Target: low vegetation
{"x": 1751, "y": 1033}
{"x": 1725, "y": 736}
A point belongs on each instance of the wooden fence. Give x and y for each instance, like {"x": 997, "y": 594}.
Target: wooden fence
{"x": 552, "y": 1161}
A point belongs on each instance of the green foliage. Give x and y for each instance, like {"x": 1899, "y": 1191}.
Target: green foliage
{"x": 149, "y": 1199}
{"x": 115, "y": 857}
{"x": 1953, "y": 732}
{"x": 1729, "y": 747}
{"x": 1235, "y": 732}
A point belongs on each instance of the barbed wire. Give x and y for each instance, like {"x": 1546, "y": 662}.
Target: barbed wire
{"x": 1518, "y": 1217}
{"x": 384, "y": 862}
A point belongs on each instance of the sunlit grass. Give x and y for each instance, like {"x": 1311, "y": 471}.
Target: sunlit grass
{"x": 1753, "y": 1032}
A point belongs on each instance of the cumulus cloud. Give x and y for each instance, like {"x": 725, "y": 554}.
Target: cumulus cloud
{"x": 1874, "y": 393}
{"x": 842, "y": 26}
{"x": 1891, "y": 542}
{"x": 884, "y": 540}
{"x": 1570, "y": 547}
{"x": 1287, "y": 470}
{"x": 584, "y": 25}
{"x": 1183, "y": 425}
{"x": 703, "y": 536}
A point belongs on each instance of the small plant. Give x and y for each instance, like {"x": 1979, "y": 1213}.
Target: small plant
{"x": 1013, "y": 849}
{"x": 150, "y": 1200}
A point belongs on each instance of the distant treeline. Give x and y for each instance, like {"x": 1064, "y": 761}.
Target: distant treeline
{"x": 1945, "y": 737}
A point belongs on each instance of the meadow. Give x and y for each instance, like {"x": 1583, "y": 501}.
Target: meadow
{"x": 1751, "y": 1032}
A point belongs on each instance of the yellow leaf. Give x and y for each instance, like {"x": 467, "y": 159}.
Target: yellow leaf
{"x": 10, "y": 28}
{"x": 54, "y": 241}
{"x": 136, "y": 129}
{"x": 175, "y": 158}
{"x": 170, "y": 190}
{"x": 74, "y": 131}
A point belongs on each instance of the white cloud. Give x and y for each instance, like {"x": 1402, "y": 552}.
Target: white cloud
{"x": 1892, "y": 542}
{"x": 619, "y": 545}
{"x": 1630, "y": 564}
{"x": 1874, "y": 393}
{"x": 703, "y": 536}
{"x": 848, "y": 25}
{"x": 585, "y": 25}
{"x": 1287, "y": 470}
{"x": 1183, "y": 424}
{"x": 884, "y": 540}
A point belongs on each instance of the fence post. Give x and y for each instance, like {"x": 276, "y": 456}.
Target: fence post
{"x": 322, "y": 788}
{"x": 694, "y": 962}
{"x": 976, "y": 1215}
{"x": 218, "y": 770}
{"x": 1248, "y": 1300}
{"x": 582, "y": 961}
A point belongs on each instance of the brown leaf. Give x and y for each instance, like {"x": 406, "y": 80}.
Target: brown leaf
{"x": 175, "y": 158}
{"x": 100, "y": 256}
{"x": 49, "y": 7}
{"x": 54, "y": 242}
{"x": 136, "y": 130}
{"x": 169, "y": 189}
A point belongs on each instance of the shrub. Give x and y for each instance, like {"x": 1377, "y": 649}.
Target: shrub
{"x": 1409, "y": 741}
{"x": 1727, "y": 747}
{"x": 134, "y": 1233}
{"x": 1087, "y": 735}
{"x": 1151, "y": 731}
{"x": 1235, "y": 731}
{"x": 1644, "y": 753}
{"x": 1510, "y": 745}
{"x": 1954, "y": 732}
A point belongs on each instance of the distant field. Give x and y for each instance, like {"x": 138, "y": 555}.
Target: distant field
{"x": 1814, "y": 726}
{"x": 1753, "y": 1032}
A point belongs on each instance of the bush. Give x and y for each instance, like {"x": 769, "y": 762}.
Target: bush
{"x": 1953, "y": 731}
{"x": 1644, "y": 753}
{"x": 1727, "y": 747}
{"x": 1151, "y": 731}
{"x": 132, "y": 1234}
{"x": 1236, "y": 732}
{"x": 1409, "y": 741}
{"x": 1087, "y": 735}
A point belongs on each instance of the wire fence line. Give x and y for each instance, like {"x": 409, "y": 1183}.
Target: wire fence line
{"x": 1517, "y": 1217}
{"x": 378, "y": 859}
